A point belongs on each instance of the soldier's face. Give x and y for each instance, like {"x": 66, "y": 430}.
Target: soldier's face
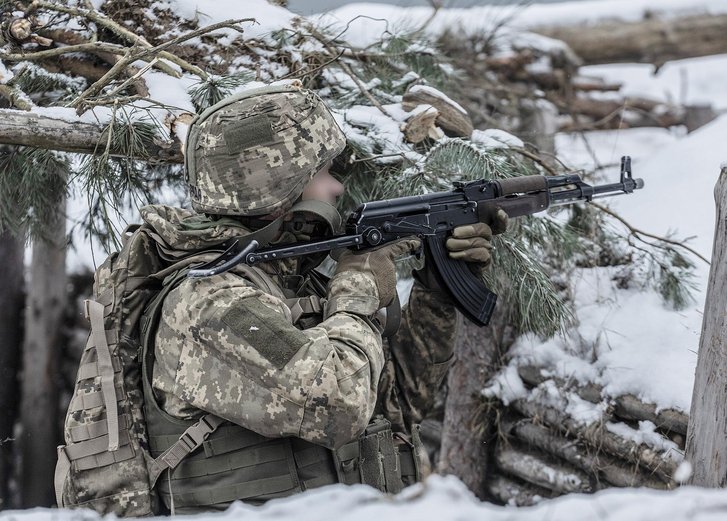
{"x": 323, "y": 187}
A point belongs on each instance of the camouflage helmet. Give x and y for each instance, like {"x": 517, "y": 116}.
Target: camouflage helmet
{"x": 254, "y": 152}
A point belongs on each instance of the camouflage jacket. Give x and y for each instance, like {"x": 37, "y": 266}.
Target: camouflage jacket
{"x": 228, "y": 347}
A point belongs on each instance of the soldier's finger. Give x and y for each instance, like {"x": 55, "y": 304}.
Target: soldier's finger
{"x": 472, "y": 230}
{"x": 499, "y": 224}
{"x": 474, "y": 255}
{"x": 466, "y": 244}
{"x": 404, "y": 246}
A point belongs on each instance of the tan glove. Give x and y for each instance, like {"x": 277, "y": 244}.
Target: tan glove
{"x": 473, "y": 242}
{"x": 377, "y": 265}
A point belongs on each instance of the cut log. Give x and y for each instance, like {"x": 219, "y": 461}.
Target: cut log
{"x": 601, "y": 466}
{"x": 631, "y": 408}
{"x": 533, "y": 376}
{"x": 36, "y": 130}
{"x": 627, "y": 407}
{"x": 706, "y": 440}
{"x": 422, "y": 125}
{"x": 653, "y": 40}
{"x": 597, "y": 435}
{"x": 510, "y": 492}
{"x": 452, "y": 118}
{"x": 560, "y": 478}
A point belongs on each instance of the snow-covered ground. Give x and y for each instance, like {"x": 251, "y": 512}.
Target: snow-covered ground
{"x": 447, "y": 499}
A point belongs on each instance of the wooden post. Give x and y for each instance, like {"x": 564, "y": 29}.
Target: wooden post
{"x": 707, "y": 431}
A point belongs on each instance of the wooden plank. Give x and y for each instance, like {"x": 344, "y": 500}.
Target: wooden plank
{"x": 707, "y": 433}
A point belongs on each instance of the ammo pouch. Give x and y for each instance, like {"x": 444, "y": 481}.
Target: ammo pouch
{"x": 380, "y": 459}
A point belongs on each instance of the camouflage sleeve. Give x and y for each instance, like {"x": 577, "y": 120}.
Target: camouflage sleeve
{"x": 417, "y": 357}
{"x": 225, "y": 347}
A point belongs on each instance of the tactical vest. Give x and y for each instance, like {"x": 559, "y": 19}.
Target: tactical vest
{"x": 212, "y": 462}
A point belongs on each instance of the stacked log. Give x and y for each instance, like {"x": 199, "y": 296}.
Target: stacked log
{"x": 544, "y": 451}
{"x": 499, "y": 83}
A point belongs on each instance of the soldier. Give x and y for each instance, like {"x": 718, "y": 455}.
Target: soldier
{"x": 292, "y": 366}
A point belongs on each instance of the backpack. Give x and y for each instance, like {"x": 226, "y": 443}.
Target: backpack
{"x": 106, "y": 464}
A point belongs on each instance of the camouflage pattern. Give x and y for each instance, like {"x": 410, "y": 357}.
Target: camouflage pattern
{"x": 417, "y": 358}
{"x": 113, "y": 481}
{"x": 332, "y": 384}
{"x": 253, "y": 154}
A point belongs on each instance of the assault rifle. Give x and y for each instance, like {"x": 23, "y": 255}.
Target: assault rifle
{"x": 432, "y": 217}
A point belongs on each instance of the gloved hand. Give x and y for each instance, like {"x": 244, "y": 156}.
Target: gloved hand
{"x": 378, "y": 264}
{"x": 472, "y": 242}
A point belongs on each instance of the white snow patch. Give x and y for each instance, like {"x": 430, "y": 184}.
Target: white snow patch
{"x": 438, "y": 94}
{"x": 693, "y": 81}
{"x": 646, "y": 435}
{"x": 507, "y": 386}
{"x": 495, "y": 138}
{"x": 268, "y": 17}
{"x": 5, "y": 74}
{"x": 683, "y": 472}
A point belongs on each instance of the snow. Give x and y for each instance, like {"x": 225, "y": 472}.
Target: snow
{"x": 268, "y": 18}
{"x": 690, "y": 82}
{"x": 507, "y": 386}
{"x": 438, "y": 94}
{"x": 495, "y": 138}
{"x": 447, "y": 499}
{"x": 646, "y": 434}
{"x": 5, "y": 74}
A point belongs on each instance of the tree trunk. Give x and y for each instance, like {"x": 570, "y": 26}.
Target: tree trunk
{"x": 46, "y": 303}
{"x": 706, "y": 435}
{"x": 467, "y": 425}
{"x": 652, "y": 40}
{"x": 35, "y": 130}
{"x": 11, "y": 313}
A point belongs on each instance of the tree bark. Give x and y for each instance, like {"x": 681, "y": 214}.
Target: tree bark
{"x": 707, "y": 434}
{"x": 467, "y": 428}
{"x": 36, "y": 130}
{"x": 652, "y": 40}
{"x": 46, "y": 303}
{"x": 11, "y": 313}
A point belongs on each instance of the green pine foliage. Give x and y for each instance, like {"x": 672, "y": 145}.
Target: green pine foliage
{"x": 115, "y": 183}
{"x": 214, "y": 89}
{"x": 32, "y": 184}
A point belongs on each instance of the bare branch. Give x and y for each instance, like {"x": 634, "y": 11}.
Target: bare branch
{"x": 636, "y": 232}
